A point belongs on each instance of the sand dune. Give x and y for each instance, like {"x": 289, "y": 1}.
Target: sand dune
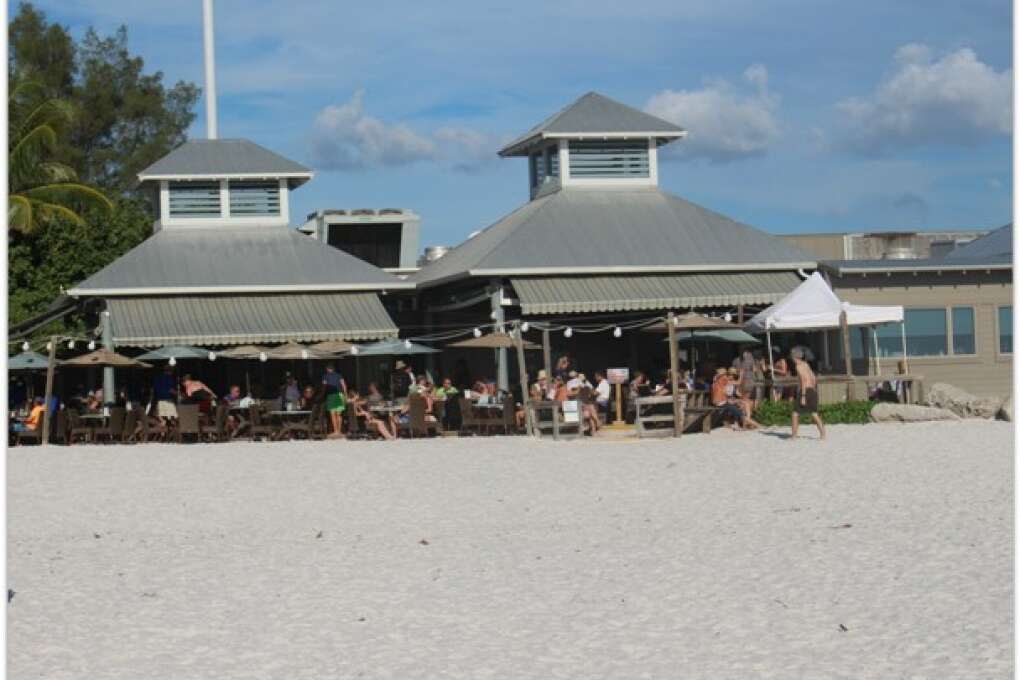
{"x": 884, "y": 552}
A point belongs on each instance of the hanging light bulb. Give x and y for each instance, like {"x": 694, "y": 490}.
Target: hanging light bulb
{"x": 25, "y": 346}
{"x": 478, "y": 333}
{"x": 567, "y": 333}
{"x": 212, "y": 356}
{"x": 727, "y": 317}
{"x": 173, "y": 361}
{"x": 92, "y": 344}
{"x": 617, "y": 332}
{"x": 407, "y": 344}
{"x": 492, "y": 315}
{"x": 262, "y": 357}
{"x": 70, "y": 344}
{"x": 525, "y": 326}
{"x": 304, "y": 354}
{"x": 354, "y": 349}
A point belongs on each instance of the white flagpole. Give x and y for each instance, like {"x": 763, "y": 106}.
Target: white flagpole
{"x": 210, "y": 70}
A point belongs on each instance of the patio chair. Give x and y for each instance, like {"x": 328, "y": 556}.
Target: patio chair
{"x": 29, "y": 436}
{"x": 217, "y": 432}
{"x": 127, "y": 435}
{"x": 258, "y": 427}
{"x": 114, "y": 428}
{"x": 417, "y": 424}
{"x": 469, "y": 419}
{"x": 187, "y": 422}
{"x": 59, "y": 433}
{"x": 355, "y": 430}
{"x": 508, "y": 419}
{"x": 76, "y": 428}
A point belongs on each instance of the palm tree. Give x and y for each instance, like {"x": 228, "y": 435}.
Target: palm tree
{"x": 41, "y": 189}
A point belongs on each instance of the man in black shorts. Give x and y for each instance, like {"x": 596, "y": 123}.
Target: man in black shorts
{"x": 807, "y": 400}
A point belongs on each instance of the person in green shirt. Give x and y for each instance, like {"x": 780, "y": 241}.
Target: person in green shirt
{"x": 446, "y": 390}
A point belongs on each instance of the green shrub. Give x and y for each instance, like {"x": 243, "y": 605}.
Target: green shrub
{"x": 844, "y": 412}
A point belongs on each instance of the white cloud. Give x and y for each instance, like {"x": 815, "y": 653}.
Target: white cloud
{"x": 723, "y": 123}
{"x": 344, "y": 137}
{"x": 956, "y": 99}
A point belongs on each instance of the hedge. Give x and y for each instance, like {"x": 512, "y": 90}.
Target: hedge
{"x": 844, "y": 412}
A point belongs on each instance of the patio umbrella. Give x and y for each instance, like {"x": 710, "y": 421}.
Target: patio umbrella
{"x": 332, "y": 347}
{"x": 691, "y": 322}
{"x": 393, "y": 348}
{"x": 27, "y": 361}
{"x": 493, "y": 341}
{"x": 105, "y": 357}
{"x": 292, "y": 350}
{"x": 175, "y": 352}
{"x": 731, "y": 335}
{"x": 244, "y": 352}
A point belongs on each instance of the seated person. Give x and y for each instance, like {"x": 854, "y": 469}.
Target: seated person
{"x": 446, "y": 390}
{"x": 94, "y": 401}
{"x": 308, "y": 400}
{"x": 233, "y": 397}
{"x": 722, "y": 398}
{"x": 34, "y": 420}
{"x": 374, "y": 396}
{"x": 356, "y": 402}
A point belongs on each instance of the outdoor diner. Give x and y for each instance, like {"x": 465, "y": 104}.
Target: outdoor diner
{"x": 717, "y": 374}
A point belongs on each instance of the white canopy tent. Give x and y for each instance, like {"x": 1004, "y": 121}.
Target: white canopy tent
{"x": 813, "y": 306}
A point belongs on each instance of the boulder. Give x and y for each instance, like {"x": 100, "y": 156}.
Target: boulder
{"x": 1006, "y": 410}
{"x": 891, "y": 412}
{"x": 961, "y": 402}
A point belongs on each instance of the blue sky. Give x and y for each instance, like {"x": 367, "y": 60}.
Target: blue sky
{"x": 802, "y": 116}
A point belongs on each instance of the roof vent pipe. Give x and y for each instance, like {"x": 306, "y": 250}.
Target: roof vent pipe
{"x": 210, "y": 70}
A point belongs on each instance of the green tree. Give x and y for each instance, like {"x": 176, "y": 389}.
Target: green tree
{"x": 41, "y": 189}
{"x": 124, "y": 119}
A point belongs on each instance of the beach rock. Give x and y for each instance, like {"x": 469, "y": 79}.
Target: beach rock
{"x": 1006, "y": 410}
{"x": 961, "y": 402}
{"x": 889, "y": 412}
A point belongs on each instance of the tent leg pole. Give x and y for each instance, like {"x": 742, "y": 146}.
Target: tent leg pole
{"x": 878, "y": 359}
{"x": 772, "y": 368}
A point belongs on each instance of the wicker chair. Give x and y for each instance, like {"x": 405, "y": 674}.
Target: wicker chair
{"x": 257, "y": 427}
{"x": 417, "y": 424}
{"x": 114, "y": 428}
{"x": 187, "y": 422}
{"x": 217, "y": 432}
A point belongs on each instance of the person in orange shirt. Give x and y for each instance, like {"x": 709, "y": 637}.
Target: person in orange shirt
{"x": 722, "y": 399}
{"x": 34, "y": 420}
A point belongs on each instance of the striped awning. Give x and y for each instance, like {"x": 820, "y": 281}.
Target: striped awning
{"x": 575, "y": 294}
{"x": 244, "y": 319}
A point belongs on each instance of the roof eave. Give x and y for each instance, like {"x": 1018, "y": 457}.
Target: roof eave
{"x": 974, "y": 267}
{"x": 522, "y": 147}
{"x": 208, "y": 290}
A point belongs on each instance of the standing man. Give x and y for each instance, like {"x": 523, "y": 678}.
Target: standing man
{"x": 334, "y": 388}
{"x": 807, "y": 401}
{"x": 165, "y": 390}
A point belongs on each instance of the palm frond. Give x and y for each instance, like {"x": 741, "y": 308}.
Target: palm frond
{"x": 70, "y": 193}
{"x": 48, "y": 212}
{"x": 19, "y": 214}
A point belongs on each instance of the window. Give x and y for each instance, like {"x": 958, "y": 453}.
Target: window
{"x": 252, "y": 199}
{"x": 608, "y": 159}
{"x": 890, "y": 340}
{"x": 926, "y": 332}
{"x": 195, "y": 199}
{"x": 963, "y": 330}
{"x": 1006, "y": 329}
{"x": 552, "y": 163}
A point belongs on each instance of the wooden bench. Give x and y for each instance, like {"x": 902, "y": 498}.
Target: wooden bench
{"x": 553, "y": 423}
{"x": 644, "y": 419}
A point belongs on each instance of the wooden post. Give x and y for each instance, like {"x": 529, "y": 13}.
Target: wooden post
{"x": 51, "y": 365}
{"x": 674, "y": 376}
{"x": 740, "y": 315}
{"x": 525, "y": 392}
{"x": 546, "y": 354}
{"x": 847, "y": 363}
{"x": 619, "y": 406}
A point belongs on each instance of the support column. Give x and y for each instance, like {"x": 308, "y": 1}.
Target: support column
{"x": 109, "y": 387}
{"x": 502, "y": 375}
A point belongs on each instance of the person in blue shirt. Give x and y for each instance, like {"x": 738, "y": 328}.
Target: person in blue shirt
{"x": 165, "y": 391}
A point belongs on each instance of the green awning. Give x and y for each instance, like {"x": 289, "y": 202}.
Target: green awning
{"x": 243, "y": 319}
{"x": 578, "y": 294}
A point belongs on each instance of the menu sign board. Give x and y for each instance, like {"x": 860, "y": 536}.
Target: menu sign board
{"x": 617, "y": 376}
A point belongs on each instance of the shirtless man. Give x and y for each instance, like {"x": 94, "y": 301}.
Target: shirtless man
{"x": 807, "y": 403}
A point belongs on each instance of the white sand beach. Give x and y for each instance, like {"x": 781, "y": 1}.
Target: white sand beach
{"x": 883, "y": 552}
